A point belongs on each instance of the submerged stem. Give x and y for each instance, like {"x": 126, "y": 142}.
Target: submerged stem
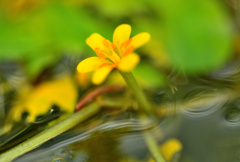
{"x": 154, "y": 148}
{"x": 50, "y": 133}
{"x": 144, "y": 103}
{"x": 137, "y": 91}
{"x": 152, "y": 144}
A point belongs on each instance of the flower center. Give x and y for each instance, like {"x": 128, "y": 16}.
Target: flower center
{"x": 109, "y": 51}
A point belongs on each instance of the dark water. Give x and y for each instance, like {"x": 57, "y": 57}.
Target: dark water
{"x": 212, "y": 137}
{"x": 202, "y": 112}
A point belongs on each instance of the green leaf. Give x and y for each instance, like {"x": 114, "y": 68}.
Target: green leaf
{"x": 197, "y": 34}
{"x": 16, "y": 41}
{"x": 63, "y": 25}
{"x": 148, "y": 76}
{"x": 55, "y": 28}
{"x": 118, "y": 9}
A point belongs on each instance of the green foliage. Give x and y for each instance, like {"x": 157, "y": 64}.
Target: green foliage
{"x": 40, "y": 38}
{"x": 15, "y": 41}
{"x": 63, "y": 26}
{"x": 197, "y": 34}
{"x": 120, "y": 9}
{"x": 148, "y": 75}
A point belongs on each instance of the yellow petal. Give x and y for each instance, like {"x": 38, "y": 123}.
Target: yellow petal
{"x": 128, "y": 62}
{"x": 121, "y": 34}
{"x": 95, "y": 40}
{"x": 100, "y": 74}
{"x": 89, "y": 64}
{"x": 140, "y": 39}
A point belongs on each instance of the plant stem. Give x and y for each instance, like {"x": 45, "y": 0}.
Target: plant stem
{"x": 92, "y": 95}
{"x": 137, "y": 91}
{"x": 144, "y": 103}
{"x": 152, "y": 143}
{"x": 50, "y": 133}
{"x": 154, "y": 148}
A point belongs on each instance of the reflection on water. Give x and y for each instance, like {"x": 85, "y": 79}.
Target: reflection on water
{"x": 203, "y": 113}
{"x": 11, "y": 77}
{"x": 95, "y": 140}
{"x": 209, "y": 138}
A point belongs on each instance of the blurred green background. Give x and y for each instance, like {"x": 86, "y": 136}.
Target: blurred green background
{"x": 188, "y": 36}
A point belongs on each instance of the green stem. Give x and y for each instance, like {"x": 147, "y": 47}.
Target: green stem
{"x": 137, "y": 91}
{"x": 154, "y": 148}
{"x": 152, "y": 143}
{"x": 50, "y": 133}
{"x": 144, "y": 103}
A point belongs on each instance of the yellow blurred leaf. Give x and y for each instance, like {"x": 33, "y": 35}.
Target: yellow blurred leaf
{"x": 38, "y": 100}
{"x": 170, "y": 149}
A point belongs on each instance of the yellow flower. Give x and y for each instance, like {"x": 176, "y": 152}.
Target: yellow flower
{"x": 118, "y": 54}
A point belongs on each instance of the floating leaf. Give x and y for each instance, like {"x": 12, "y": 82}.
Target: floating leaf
{"x": 197, "y": 34}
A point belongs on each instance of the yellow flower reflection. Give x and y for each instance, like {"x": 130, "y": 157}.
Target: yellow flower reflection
{"x": 118, "y": 54}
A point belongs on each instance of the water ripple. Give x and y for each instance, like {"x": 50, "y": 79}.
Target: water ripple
{"x": 125, "y": 126}
{"x": 205, "y": 102}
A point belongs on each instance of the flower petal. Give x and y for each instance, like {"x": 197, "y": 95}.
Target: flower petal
{"x": 121, "y": 34}
{"x": 89, "y": 64}
{"x": 95, "y": 40}
{"x": 128, "y": 62}
{"x": 139, "y": 39}
{"x": 100, "y": 74}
